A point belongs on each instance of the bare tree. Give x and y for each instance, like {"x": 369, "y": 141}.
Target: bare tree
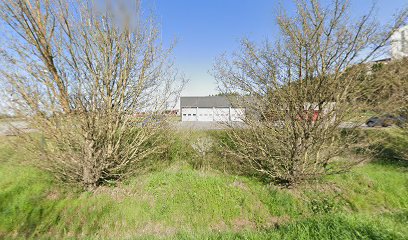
{"x": 92, "y": 77}
{"x": 299, "y": 90}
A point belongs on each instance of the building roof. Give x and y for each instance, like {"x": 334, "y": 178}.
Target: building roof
{"x": 204, "y": 102}
{"x": 382, "y": 60}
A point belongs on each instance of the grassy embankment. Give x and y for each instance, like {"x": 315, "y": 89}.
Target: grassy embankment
{"x": 181, "y": 201}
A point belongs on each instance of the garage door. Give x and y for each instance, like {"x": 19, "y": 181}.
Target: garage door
{"x": 205, "y": 114}
{"x": 221, "y": 114}
{"x": 237, "y": 114}
{"x": 189, "y": 114}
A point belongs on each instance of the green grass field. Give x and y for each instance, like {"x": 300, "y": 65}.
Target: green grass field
{"x": 181, "y": 201}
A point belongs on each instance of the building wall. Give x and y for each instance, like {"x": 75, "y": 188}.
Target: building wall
{"x": 399, "y": 43}
{"x": 212, "y": 114}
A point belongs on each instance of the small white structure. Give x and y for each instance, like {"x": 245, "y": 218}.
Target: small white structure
{"x": 399, "y": 43}
{"x": 209, "y": 109}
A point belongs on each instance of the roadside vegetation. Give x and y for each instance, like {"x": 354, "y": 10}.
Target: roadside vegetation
{"x": 317, "y": 64}
{"x": 80, "y": 73}
{"x": 185, "y": 198}
{"x": 104, "y": 163}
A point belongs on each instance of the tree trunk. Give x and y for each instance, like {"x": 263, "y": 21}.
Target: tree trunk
{"x": 90, "y": 175}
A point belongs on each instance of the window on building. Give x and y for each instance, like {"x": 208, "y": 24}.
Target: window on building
{"x": 184, "y": 114}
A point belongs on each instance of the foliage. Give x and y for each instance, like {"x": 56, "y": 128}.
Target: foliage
{"x": 179, "y": 202}
{"x": 202, "y": 146}
{"x": 386, "y": 87}
{"x": 388, "y": 93}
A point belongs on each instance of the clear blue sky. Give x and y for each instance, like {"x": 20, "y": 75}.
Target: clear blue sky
{"x": 204, "y": 29}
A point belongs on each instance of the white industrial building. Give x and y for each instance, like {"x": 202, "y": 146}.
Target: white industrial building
{"x": 209, "y": 109}
{"x": 399, "y": 43}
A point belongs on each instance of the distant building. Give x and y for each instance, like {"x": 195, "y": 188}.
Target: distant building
{"x": 399, "y": 43}
{"x": 209, "y": 109}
